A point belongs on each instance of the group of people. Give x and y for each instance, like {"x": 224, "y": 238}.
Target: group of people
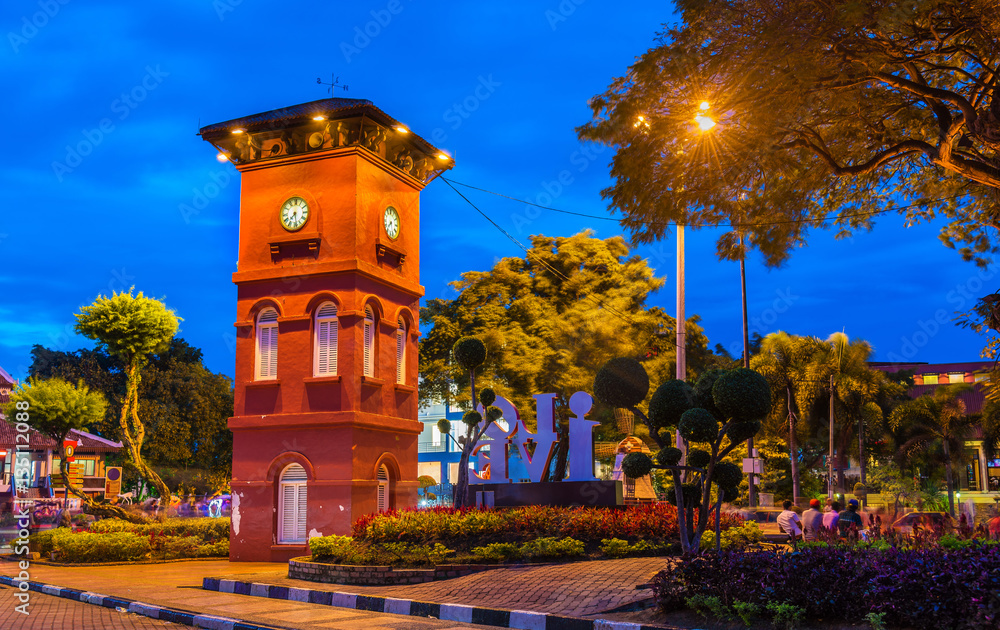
{"x": 813, "y": 520}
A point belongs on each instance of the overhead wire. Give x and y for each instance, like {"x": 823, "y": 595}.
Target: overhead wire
{"x": 817, "y": 220}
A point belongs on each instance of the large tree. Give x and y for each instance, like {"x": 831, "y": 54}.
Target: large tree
{"x": 550, "y": 320}
{"x": 185, "y": 406}
{"x": 823, "y": 111}
{"x": 131, "y": 328}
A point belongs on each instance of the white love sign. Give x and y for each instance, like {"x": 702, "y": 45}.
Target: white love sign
{"x": 509, "y": 436}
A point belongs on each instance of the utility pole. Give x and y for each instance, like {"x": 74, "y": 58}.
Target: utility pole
{"x": 830, "y": 459}
{"x": 681, "y": 327}
{"x": 746, "y": 361}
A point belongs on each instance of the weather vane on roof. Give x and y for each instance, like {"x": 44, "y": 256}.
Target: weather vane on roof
{"x": 334, "y": 83}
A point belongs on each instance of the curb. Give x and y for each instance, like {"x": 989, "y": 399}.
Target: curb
{"x": 211, "y": 622}
{"x": 518, "y": 619}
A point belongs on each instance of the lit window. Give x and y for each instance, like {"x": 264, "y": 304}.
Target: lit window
{"x": 401, "y": 352}
{"x": 369, "y": 342}
{"x": 267, "y": 344}
{"x": 930, "y": 379}
{"x": 292, "y": 501}
{"x": 325, "y": 360}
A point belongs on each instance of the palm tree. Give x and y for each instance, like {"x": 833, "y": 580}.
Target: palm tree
{"x": 936, "y": 420}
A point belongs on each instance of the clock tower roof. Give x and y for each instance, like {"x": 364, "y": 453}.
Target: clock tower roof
{"x": 326, "y": 124}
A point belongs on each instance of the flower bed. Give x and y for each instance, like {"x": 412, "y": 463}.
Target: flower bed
{"x": 425, "y": 538}
{"x": 917, "y": 587}
{"x": 114, "y": 540}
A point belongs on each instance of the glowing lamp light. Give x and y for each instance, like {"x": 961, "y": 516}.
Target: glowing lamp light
{"x": 222, "y": 157}
{"x": 402, "y": 129}
{"x": 443, "y": 156}
{"x": 319, "y": 118}
{"x": 704, "y": 122}
{"x": 237, "y": 132}
{"x": 704, "y": 106}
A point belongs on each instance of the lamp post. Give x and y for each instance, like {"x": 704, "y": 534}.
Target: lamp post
{"x": 706, "y": 123}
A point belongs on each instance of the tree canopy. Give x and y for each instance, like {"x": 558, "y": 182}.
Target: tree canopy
{"x": 831, "y": 111}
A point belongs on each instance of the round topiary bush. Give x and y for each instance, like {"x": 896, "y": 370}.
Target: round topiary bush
{"x": 469, "y": 352}
{"x": 740, "y": 431}
{"x": 472, "y": 418}
{"x": 669, "y": 401}
{"x": 444, "y": 425}
{"x": 636, "y": 465}
{"x": 691, "y": 492}
{"x": 487, "y": 396}
{"x": 730, "y": 493}
{"x": 742, "y": 393}
{"x": 494, "y": 413}
{"x": 703, "y": 391}
{"x": 727, "y": 475}
{"x": 621, "y": 383}
{"x": 668, "y": 456}
{"x": 698, "y": 458}
{"x": 698, "y": 425}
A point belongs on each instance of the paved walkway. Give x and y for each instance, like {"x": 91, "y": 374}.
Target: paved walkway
{"x": 178, "y": 586}
{"x": 578, "y": 589}
{"x": 48, "y": 613}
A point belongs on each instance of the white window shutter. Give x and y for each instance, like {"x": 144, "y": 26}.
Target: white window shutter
{"x": 272, "y": 368}
{"x": 334, "y": 329}
{"x": 267, "y": 344}
{"x": 302, "y": 508}
{"x": 288, "y": 513}
{"x": 322, "y": 348}
{"x": 326, "y": 340}
{"x": 368, "y": 348}
{"x": 401, "y": 353}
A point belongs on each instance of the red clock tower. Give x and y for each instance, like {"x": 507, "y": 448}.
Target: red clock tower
{"x": 328, "y": 282}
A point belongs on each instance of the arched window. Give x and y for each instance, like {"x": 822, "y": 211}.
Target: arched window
{"x": 369, "y": 342}
{"x": 401, "y": 351}
{"x": 325, "y": 359}
{"x": 292, "y": 505}
{"x": 383, "y": 489}
{"x": 267, "y": 344}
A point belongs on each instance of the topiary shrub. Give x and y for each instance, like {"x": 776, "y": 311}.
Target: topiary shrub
{"x": 487, "y": 396}
{"x": 691, "y": 492}
{"x": 444, "y": 426}
{"x": 740, "y": 431}
{"x": 669, "y": 402}
{"x": 742, "y": 393}
{"x": 636, "y": 465}
{"x": 698, "y": 425}
{"x": 472, "y": 418}
{"x": 668, "y": 456}
{"x": 703, "y": 391}
{"x": 727, "y": 475}
{"x": 469, "y": 352}
{"x": 698, "y": 458}
{"x": 621, "y": 383}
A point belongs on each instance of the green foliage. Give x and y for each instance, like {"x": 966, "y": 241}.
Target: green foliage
{"x": 444, "y": 426}
{"x": 698, "y": 425}
{"x": 668, "y": 456}
{"x": 335, "y": 549}
{"x": 636, "y": 465}
{"x": 472, "y": 418}
{"x": 206, "y": 529}
{"x": 876, "y": 620}
{"x": 707, "y": 605}
{"x": 727, "y": 474}
{"x": 552, "y": 548}
{"x": 621, "y": 383}
{"x": 497, "y": 552}
{"x": 487, "y": 396}
{"x": 735, "y": 538}
{"x": 746, "y": 611}
{"x": 128, "y": 326}
{"x": 669, "y": 402}
{"x": 797, "y": 144}
{"x": 87, "y": 547}
{"x": 56, "y": 407}
{"x": 786, "y": 614}
{"x": 743, "y": 431}
{"x": 615, "y": 548}
{"x": 426, "y": 481}
{"x": 703, "y": 391}
{"x": 469, "y": 352}
{"x": 691, "y": 493}
{"x": 742, "y": 393}
{"x": 698, "y": 458}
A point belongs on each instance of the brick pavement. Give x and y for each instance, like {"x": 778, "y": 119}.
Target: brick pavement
{"x": 578, "y": 589}
{"x": 55, "y": 613}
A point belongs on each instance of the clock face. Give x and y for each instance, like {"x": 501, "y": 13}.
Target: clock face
{"x": 294, "y": 213}
{"x": 391, "y": 222}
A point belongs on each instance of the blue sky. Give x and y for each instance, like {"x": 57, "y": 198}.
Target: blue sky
{"x": 104, "y": 100}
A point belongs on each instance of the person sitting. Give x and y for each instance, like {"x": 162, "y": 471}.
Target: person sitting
{"x": 848, "y": 518}
{"x": 812, "y": 521}
{"x": 831, "y": 518}
{"x": 789, "y": 523}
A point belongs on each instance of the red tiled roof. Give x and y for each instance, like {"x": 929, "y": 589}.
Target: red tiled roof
{"x": 90, "y": 443}
{"x": 5, "y": 377}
